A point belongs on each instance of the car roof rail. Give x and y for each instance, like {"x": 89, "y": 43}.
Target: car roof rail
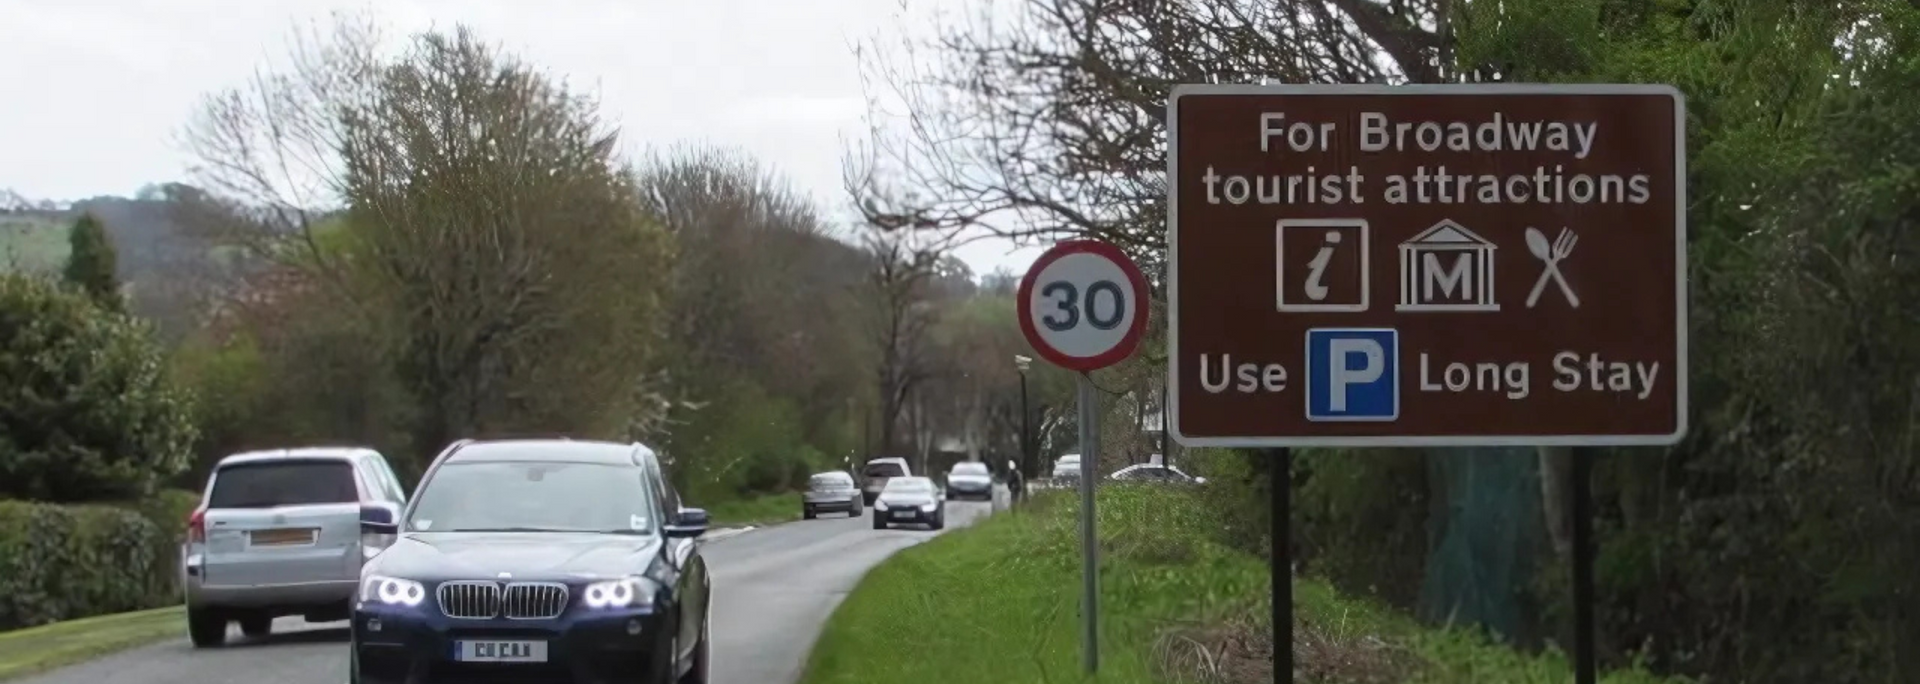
{"x": 455, "y": 446}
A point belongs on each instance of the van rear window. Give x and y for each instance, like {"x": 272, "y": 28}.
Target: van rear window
{"x": 885, "y": 470}
{"x": 283, "y": 483}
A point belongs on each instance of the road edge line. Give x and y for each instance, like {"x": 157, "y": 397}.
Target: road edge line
{"x": 728, "y": 533}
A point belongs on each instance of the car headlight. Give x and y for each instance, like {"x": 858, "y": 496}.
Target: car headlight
{"x": 392, "y": 591}
{"x": 621, "y": 593}
{"x": 928, "y": 507}
{"x": 880, "y": 506}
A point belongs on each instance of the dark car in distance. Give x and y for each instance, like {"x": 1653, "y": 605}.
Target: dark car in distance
{"x": 536, "y": 561}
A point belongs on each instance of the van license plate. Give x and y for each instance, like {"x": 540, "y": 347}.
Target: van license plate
{"x": 282, "y": 537}
{"x": 500, "y": 651}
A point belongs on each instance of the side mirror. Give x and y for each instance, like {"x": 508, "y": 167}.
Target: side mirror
{"x": 379, "y": 518}
{"x": 688, "y": 523}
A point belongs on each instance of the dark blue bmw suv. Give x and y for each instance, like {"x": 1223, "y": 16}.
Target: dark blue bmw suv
{"x": 536, "y": 561}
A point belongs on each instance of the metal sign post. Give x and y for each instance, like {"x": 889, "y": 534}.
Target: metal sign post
{"x": 1083, "y": 308}
{"x": 1089, "y": 541}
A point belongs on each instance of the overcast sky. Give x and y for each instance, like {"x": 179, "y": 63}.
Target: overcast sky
{"x": 95, "y": 91}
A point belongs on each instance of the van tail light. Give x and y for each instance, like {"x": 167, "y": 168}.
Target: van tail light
{"x": 197, "y": 527}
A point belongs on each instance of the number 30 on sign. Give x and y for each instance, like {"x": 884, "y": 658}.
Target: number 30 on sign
{"x": 1083, "y": 305}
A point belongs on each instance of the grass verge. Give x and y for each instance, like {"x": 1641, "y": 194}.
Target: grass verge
{"x": 38, "y": 649}
{"x": 998, "y": 602}
{"x": 765, "y": 509}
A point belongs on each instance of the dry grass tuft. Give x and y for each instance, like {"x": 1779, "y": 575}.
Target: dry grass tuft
{"x": 1242, "y": 653}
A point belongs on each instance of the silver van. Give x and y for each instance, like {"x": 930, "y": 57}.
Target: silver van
{"x": 280, "y": 533}
{"x": 877, "y": 472}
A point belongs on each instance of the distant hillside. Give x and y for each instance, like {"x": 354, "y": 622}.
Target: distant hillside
{"x": 11, "y": 201}
{"x": 30, "y": 242}
{"x": 164, "y": 266}
{"x": 143, "y": 230}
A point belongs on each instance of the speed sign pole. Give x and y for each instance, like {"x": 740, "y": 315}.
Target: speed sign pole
{"x": 1083, "y": 308}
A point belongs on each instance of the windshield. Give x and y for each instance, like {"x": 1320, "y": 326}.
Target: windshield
{"x": 970, "y": 468}
{"x": 1069, "y": 459}
{"x": 283, "y": 483}
{"x": 534, "y": 497}
{"x": 828, "y": 481}
{"x": 910, "y": 485}
{"x": 885, "y": 470}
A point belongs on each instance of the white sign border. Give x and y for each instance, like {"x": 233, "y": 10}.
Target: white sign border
{"x": 1680, "y": 290}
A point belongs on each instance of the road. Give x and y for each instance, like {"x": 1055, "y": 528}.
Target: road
{"x": 774, "y": 588}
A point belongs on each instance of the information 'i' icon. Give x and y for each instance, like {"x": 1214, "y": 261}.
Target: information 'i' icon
{"x": 1320, "y": 265}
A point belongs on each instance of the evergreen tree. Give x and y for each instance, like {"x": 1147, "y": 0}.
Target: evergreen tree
{"x": 91, "y": 261}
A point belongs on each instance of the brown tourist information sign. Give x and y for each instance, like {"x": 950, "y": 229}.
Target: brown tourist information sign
{"x": 1427, "y": 265}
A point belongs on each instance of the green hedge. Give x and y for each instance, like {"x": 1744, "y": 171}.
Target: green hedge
{"x": 61, "y": 562}
{"x": 168, "y": 509}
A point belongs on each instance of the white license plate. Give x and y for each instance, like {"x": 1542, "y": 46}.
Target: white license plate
{"x": 500, "y": 651}
{"x": 903, "y": 514}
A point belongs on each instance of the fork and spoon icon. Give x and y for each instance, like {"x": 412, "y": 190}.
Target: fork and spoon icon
{"x": 1551, "y": 255}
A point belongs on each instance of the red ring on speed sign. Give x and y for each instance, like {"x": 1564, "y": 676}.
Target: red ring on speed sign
{"x": 1129, "y": 339}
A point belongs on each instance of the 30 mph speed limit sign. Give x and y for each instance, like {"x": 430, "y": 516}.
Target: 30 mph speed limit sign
{"x": 1083, "y": 305}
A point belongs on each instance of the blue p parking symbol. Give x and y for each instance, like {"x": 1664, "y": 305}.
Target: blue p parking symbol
{"x": 1353, "y": 374}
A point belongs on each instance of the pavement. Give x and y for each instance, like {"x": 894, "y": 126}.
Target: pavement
{"x": 774, "y": 588}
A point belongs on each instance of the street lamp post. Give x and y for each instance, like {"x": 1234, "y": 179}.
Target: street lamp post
{"x": 1026, "y": 440}
{"x": 1166, "y": 452}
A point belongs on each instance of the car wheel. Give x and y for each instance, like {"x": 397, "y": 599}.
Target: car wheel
{"x": 353, "y": 662}
{"x": 664, "y": 661}
{"x": 879, "y": 521}
{"x": 206, "y": 628}
{"x": 256, "y": 625}
{"x": 702, "y": 654}
{"x": 806, "y": 514}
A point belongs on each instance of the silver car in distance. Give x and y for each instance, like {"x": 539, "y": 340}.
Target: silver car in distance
{"x": 830, "y": 491}
{"x": 910, "y": 501}
{"x": 970, "y": 479}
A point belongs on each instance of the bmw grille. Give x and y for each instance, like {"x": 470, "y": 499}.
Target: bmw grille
{"x": 482, "y": 600}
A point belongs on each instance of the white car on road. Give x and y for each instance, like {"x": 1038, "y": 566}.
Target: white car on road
{"x": 970, "y": 479}
{"x": 1154, "y": 472}
{"x": 1067, "y": 468}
